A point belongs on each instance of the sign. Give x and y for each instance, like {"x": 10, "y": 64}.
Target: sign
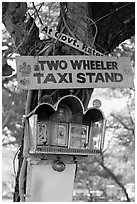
{"x": 47, "y": 185}
{"x": 78, "y": 71}
{"x": 70, "y": 41}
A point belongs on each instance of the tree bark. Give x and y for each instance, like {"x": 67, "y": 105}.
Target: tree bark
{"x": 74, "y": 18}
{"x": 23, "y": 31}
{"x": 115, "y": 22}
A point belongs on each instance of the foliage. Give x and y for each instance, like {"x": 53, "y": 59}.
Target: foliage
{"x": 13, "y": 102}
{"x": 13, "y": 99}
{"x": 119, "y": 152}
{"x": 46, "y": 12}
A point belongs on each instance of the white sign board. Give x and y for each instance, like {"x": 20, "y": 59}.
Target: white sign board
{"x": 70, "y": 41}
{"x": 47, "y": 185}
{"x": 66, "y": 72}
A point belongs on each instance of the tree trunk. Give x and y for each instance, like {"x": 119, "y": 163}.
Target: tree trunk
{"x": 74, "y": 18}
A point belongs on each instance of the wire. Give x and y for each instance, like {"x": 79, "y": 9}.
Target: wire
{"x": 95, "y": 28}
{"x": 54, "y": 92}
{"x": 94, "y": 22}
{"x": 111, "y": 12}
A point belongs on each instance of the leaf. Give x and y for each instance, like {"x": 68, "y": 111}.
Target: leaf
{"x": 7, "y": 70}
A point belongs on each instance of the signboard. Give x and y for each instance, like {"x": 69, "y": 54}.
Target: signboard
{"x": 78, "y": 71}
{"x": 70, "y": 41}
{"x": 47, "y": 185}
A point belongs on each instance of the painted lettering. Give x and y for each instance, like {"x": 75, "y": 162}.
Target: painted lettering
{"x": 118, "y": 77}
{"x": 109, "y": 65}
{"x": 98, "y": 65}
{"x": 90, "y": 75}
{"x": 109, "y": 77}
{"x": 84, "y": 47}
{"x": 93, "y": 65}
{"x": 63, "y": 37}
{"x": 38, "y": 75}
{"x": 99, "y": 77}
{"x": 63, "y": 64}
{"x": 50, "y": 78}
{"x": 75, "y": 42}
{"x": 53, "y": 64}
{"x": 70, "y": 77}
{"x": 89, "y": 50}
{"x": 36, "y": 67}
{"x": 86, "y": 64}
{"x": 42, "y": 64}
{"x": 94, "y": 53}
{"x": 56, "y": 34}
{"x": 114, "y": 65}
{"x": 50, "y": 31}
{"x": 70, "y": 40}
{"x": 76, "y": 64}
{"x": 45, "y": 29}
{"x": 81, "y": 78}
{"x": 102, "y": 65}
{"x": 62, "y": 78}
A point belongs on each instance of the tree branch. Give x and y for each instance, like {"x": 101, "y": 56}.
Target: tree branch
{"x": 108, "y": 144}
{"x": 121, "y": 122}
{"x": 114, "y": 177}
{"x": 37, "y": 12}
{"x": 4, "y": 123}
